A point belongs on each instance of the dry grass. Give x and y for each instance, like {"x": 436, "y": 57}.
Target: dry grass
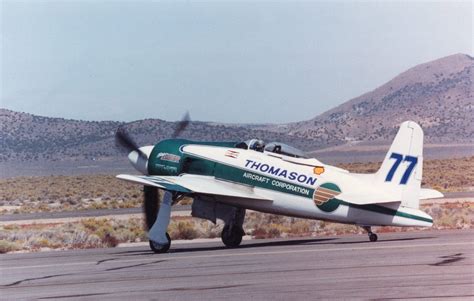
{"x": 95, "y": 233}
{"x": 60, "y": 193}
{"x": 458, "y": 215}
{"x": 8, "y": 246}
{"x": 64, "y": 193}
{"x": 105, "y": 232}
{"x": 88, "y": 233}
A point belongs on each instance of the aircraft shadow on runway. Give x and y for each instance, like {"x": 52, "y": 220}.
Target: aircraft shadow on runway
{"x": 245, "y": 245}
{"x": 257, "y": 244}
{"x": 382, "y": 240}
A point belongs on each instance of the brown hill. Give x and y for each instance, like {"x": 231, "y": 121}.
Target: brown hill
{"x": 27, "y": 137}
{"x": 439, "y": 95}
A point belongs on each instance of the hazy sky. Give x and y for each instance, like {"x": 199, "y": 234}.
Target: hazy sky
{"x": 226, "y": 61}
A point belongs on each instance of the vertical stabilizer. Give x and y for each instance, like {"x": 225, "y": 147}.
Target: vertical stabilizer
{"x": 402, "y": 168}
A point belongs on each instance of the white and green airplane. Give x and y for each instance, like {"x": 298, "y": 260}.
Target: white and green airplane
{"x": 226, "y": 178}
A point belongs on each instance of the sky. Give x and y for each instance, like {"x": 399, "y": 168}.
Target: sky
{"x": 223, "y": 61}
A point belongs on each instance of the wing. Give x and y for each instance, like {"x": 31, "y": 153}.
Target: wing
{"x": 154, "y": 181}
{"x": 196, "y": 184}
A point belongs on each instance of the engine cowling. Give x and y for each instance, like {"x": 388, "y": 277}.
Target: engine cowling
{"x": 166, "y": 158}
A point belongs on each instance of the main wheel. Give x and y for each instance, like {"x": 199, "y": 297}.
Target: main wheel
{"x": 373, "y": 237}
{"x": 161, "y": 248}
{"x": 232, "y": 239}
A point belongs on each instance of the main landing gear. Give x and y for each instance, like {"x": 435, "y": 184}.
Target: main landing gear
{"x": 232, "y": 236}
{"x": 160, "y": 241}
{"x": 232, "y": 233}
{"x": 372, "y": 236}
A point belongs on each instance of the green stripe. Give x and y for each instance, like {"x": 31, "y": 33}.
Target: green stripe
{"x": 169, "y": 186}
{"x": 386, "y": 211}
{"x": 235, "y": 174}
{"x": 238, "y": 175}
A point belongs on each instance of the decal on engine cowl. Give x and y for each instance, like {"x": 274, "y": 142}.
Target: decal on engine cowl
{"x": 168, "y": 157}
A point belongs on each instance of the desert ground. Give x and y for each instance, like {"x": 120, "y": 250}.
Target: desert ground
{"x": 23, "y": 195}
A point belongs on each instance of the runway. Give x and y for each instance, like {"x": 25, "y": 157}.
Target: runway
{"x": 410, "y": 265}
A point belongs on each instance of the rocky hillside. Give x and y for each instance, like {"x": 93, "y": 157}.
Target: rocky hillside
{"x": 26, "y": 137}
{"x": 439, "y": 95}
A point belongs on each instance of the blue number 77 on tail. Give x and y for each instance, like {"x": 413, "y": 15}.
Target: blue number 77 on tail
{"x": 398, "y": 159}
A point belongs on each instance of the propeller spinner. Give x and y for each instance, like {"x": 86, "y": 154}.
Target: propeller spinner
{"x": 138, "y": 156}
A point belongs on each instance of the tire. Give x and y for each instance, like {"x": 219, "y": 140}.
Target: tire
{"x": 373, "y": 237}
{"x": 232, "y": 239}
{"x": 161, "y": 249}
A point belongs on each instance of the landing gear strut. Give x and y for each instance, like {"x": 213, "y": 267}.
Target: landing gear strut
{"x": 159, "y": 239}
{"x": 372, "y": 236}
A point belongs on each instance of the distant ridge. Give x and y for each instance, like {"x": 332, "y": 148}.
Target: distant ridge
{"x": 26, "y": 137}
{"x": 439, "y": 95}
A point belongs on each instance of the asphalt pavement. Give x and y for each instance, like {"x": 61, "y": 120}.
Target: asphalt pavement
{"x": 407, "y": 265}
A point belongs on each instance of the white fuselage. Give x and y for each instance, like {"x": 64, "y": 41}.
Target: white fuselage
{"x": 293, "y": 184}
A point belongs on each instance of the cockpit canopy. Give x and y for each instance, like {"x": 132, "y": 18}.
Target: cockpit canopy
{"x": 272, "y": 147}
{"x": 284, "y": 149}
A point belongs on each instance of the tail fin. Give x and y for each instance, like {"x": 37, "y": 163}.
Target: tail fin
{"x": 402, "y": 168}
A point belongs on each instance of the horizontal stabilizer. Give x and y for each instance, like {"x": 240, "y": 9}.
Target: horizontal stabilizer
{"x": 426, "y": 193}
{"x": 366, "y": 199}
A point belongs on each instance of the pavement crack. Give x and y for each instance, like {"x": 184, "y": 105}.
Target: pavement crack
{"x": 36, "y": 278}
{"x": 448, "y": 259}
{"x": 205, "y": 288}
{"x": 73, "y": 296}
{"x": 134, "y": 265}
{"x": 105, "y": 260}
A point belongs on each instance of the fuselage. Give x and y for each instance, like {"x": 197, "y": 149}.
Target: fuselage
{"x": 297, "y": 187}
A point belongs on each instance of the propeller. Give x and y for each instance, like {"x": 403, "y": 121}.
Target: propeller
{"x": 151, "y": 195}
{"x": 182, "y": 125}
{"x": 124, "y": 141}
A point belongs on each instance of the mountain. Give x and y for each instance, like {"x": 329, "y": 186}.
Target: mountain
{"x": 438, "y": 95}
{"x": 26, "y": 137}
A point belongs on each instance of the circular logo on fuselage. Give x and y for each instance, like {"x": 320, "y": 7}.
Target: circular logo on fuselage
{"x": 324, "y": 197}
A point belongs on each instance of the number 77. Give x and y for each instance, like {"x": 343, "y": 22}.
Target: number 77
{"x": 398, "y": 159}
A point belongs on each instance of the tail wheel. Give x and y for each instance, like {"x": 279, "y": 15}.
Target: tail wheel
{"x": 232, "y": 237}
{"x": 161, "y": 248}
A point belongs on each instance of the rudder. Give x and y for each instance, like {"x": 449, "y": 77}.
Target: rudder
{"x": 402, "y": 169}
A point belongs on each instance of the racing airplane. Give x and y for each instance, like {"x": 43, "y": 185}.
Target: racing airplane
{"x": 226, "y": 178}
